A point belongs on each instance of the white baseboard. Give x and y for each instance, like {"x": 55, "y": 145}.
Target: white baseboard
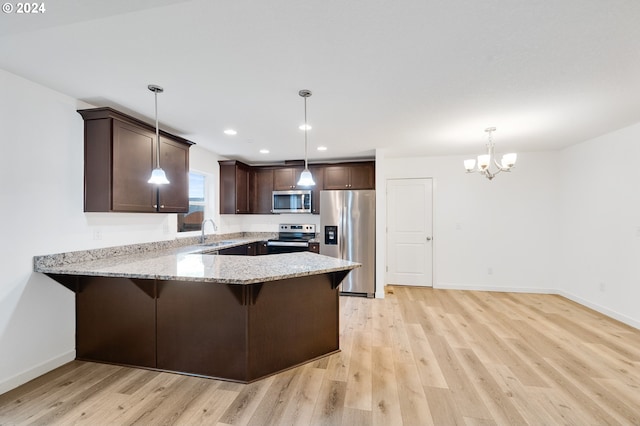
{"x": 604, "y": 311}
{"x": 36, "y": 371}
{"x": 601, "y": 309}
{"x": 448, "y": 286}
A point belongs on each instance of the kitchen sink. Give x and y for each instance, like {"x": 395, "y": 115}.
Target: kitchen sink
{"x": 215, "y": 244}
{"x": 210, "y": 252}
{"x": 221, "y": 243}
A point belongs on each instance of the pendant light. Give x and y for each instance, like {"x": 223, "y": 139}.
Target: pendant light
{"x": 158, "y": 176}
{"x": 305, "y": 178}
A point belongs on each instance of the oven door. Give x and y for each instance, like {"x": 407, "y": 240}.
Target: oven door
{"x": 276, "y": 247}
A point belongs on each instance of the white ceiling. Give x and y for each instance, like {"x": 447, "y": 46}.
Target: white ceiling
{"x": 417, "y": 77}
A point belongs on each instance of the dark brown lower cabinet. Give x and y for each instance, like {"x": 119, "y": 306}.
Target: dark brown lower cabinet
{"x": 243, "y": 250}
{"x": 227, "y": 331}
{"x": 115, "y": 320}
{"x": 201, "y": 330}
{"x": 243, "y": 333}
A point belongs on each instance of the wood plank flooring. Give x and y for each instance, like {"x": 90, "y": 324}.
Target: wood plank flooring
{"x": 418, "y": 357}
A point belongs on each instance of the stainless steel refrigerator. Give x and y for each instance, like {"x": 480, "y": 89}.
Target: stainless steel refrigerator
{"x": 348, "y": 231}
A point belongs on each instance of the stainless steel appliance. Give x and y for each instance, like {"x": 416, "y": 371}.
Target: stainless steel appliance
{"x": 292, "y": 238}
{"x": 294, "y": 201}
{"x": 348, "y": 229}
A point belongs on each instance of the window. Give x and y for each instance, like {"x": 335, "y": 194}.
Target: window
{"x": 192, "y": 221}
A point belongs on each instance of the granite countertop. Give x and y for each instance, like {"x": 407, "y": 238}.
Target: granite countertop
{"x": 191, "y": 263}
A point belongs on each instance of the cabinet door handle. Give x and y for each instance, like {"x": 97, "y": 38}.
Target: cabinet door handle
{"x": 162, "y": 206}
{"x": 155, "y": 206}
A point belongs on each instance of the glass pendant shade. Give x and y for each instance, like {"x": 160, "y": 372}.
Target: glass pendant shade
{"x": 483, "y": 161}
{"x": 306, "y": 179}
{"x": 158, "y": 177}
{"x": 509, "y": 160}
{"x": 469, "y": 164}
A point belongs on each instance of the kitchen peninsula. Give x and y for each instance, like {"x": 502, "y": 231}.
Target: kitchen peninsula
{"x": 191, "y": 311}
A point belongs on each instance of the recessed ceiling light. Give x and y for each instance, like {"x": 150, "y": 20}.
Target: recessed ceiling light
{"x": 230, "y": 132}
{"x": 264, "y": 151}
{"x": 302, "y": 127}
{"x": 322, "y": 148}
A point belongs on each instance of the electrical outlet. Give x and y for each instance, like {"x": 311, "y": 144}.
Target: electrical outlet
{"x": 490, "y": 271}
{"x": 602, "y": 286}
{"x": 97, "y": 234}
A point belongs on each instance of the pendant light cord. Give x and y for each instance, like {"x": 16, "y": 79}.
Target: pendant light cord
{"x": 157, "y": 134}
{"x": 306, "y": 129}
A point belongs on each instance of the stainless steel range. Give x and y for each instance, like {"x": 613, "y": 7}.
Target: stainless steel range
{"x": 292, "y": 238}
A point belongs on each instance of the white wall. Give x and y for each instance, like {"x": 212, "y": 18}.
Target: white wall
{"x": 564, "y": 222}
{"x": 41, "y": 181}
{"x": 507, "y": 225}
{"x": 381, "y": 222}
{"x": 265, "y": 222}
{"x": 600, "y": 231}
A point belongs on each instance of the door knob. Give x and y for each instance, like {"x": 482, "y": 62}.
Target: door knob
{"x": 428, "y": 238}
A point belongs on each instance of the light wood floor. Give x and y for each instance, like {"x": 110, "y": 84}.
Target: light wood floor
{"x": 418, "y": 357}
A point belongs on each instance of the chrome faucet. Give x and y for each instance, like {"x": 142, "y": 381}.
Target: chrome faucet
{"x": 204, "y": 222}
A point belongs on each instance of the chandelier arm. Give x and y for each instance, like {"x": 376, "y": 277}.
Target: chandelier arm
{"x": 499, "y": 166}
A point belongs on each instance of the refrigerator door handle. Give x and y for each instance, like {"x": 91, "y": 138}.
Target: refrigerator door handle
{"x": 341, "y": 241}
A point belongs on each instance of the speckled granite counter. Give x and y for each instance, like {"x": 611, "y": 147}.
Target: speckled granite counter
{"x": 231, "y": 317}
{"x": 187, "y": 264}
{"x": 191, "y": 262}
{"x": 178, "y": 245}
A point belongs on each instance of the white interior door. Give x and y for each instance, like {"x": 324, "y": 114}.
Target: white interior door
{"x": 409, "y": 232}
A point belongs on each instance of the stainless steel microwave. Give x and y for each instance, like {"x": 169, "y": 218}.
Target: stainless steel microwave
{"x": 294, "y": 201}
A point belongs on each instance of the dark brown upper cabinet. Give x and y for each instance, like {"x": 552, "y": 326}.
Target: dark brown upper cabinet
{"x": 248, "y": 189}
{"x": 287, "y": 178}
{"x": 317, "y": 172}
{"x": 120, "y": 153}
{"x": 234, "y": 187}
{"x": 261, "y": 190}
{"x": 350, "y": 176}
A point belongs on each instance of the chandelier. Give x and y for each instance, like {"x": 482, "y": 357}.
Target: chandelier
{"x": 486, "y": 161}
